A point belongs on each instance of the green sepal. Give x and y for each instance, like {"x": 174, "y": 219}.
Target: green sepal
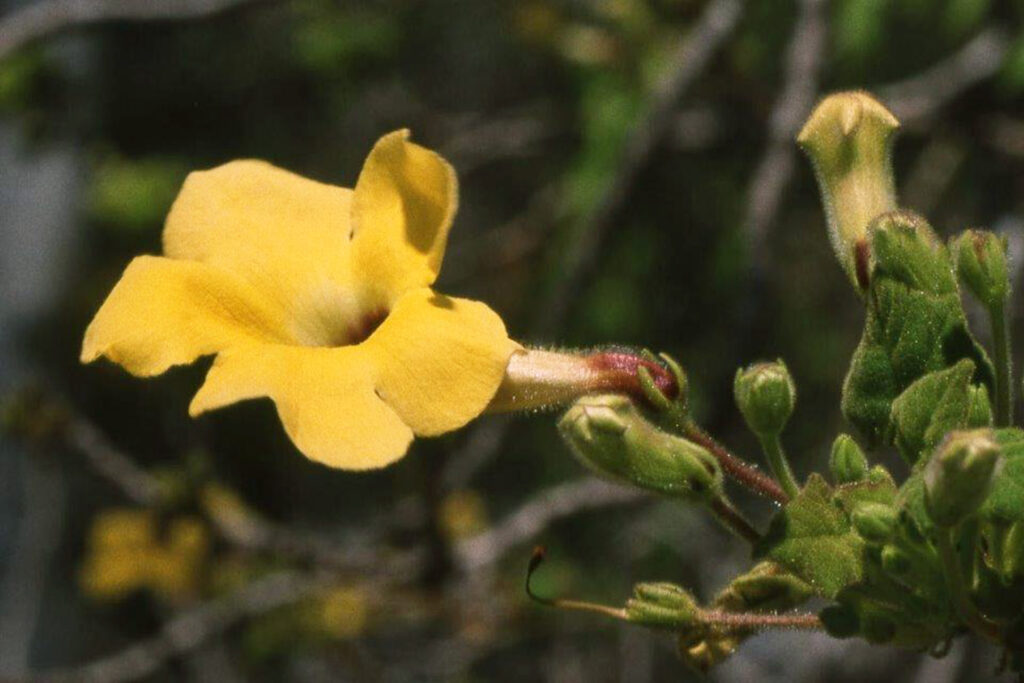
{"x": 813, "y": 538}
{"x": 767, "y": 587}
{"x": 932, "y": 406}
{"x": 915, "y": 324}
{"x": 662, "y": 605}
{"x": 1006, "y": 501}
{"x": 847, "y": 461}
{"x": 609, "y": 435}
{"x": 875, "y": 522}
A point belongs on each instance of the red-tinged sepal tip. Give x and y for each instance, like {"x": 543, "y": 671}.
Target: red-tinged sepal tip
{"x": 540, "y": 379}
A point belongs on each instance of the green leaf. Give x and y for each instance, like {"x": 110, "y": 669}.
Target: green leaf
{"x": 812, "y": 538}
{"x": 932, "y": 406}
{"x": 1006, "y": 502}
{"x": 915, "y": 324}
{"x": 880, "y": 489}
{"x": 890, "y": 612}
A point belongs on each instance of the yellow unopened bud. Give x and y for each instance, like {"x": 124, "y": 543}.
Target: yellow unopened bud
{"x": 848, "y": 138}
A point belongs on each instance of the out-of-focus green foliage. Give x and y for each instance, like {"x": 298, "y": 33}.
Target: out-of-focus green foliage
{"x": 310, "y": 84}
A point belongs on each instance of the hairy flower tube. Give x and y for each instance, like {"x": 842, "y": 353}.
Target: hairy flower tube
{"x": 317, "y": 297}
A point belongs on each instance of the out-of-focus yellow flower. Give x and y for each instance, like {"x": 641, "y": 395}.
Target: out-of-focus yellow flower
{"x": 462, "y": 514}
{"x": 317, "y": 297}
{"x": 343, "y": 612}
{"x": 126, "y": 552}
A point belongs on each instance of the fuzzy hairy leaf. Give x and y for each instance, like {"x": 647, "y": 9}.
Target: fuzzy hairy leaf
{"x": 915, "y": 324}
{"x": 932, "y": 406}
{"x": 1006, "y": 502}
{"x": 812, "y": 538}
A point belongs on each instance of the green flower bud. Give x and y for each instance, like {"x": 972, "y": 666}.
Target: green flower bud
{"x": 959, "y": 475}
{"x": 610, "y": 436}
{"x": 662, "y": 605}
{"x": 905, "y": 248}
{"x": 874, "y": 522}
{"x": 765, "y": 587}
{"x": 847, "y": 462}
{"x": 765, "y": 395}
{"x": 848, "y": 138}
{"x": 980, "y": 257}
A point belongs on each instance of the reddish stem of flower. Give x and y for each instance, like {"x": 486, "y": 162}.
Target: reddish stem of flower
{"x": 618, "y": 371}
{"x": 743, "y": 472}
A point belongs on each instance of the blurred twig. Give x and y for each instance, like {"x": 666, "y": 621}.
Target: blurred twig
{"x": 770, "y": 180}
{"x": 534, "y": 516}
{"x": 690, "y": 59}
{"x": 242, "y": 528}
{"x": 44, "y": 18}
{"x": 921, "y": 95}
{"x": 137, "y": 485}
{"x": 192, "y": 629}
{"x": 246, "y": 530}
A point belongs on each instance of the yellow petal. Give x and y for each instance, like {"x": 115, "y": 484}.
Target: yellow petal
{"x": 324, "y": 396}
{"x": 164, "y": 312}
{"x": 401, "y": 212}
{"x": 440, "y": 359}
{"x": 286, "y": 235}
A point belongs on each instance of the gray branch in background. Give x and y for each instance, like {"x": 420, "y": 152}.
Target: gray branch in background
{"x": 192, "y": 629}
{"x": 248, "y": 531}
{"x": 244, "y": 529}
{"x": 804, "y": 59}
{"x": 923, "y": 94}
{"x": 690, "y": 59}
{"x": 44, "y": 18}
{"x": 535, "y": 516}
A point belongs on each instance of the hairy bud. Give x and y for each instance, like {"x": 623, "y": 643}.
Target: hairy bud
{"x": 610, "y": 436}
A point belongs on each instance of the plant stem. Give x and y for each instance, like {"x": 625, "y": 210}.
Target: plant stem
{"x": 965, "y": 607}
{"x": 1004, "y": 366}
{"x": 779, "y": 464}
{"x": 733, "y": 520}
{"x": 743, "y": 472}
{"x": 749, "y": 620}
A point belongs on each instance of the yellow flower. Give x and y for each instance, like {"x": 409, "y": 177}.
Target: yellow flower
{"x": 128, "y": 552}
{"x": 317, "y": 297}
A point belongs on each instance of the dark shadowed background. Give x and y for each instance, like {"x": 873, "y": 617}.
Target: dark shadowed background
{"x": 628, "y": 176}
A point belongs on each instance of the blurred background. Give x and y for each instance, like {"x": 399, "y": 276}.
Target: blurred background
{"x": 628, "y": 176}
